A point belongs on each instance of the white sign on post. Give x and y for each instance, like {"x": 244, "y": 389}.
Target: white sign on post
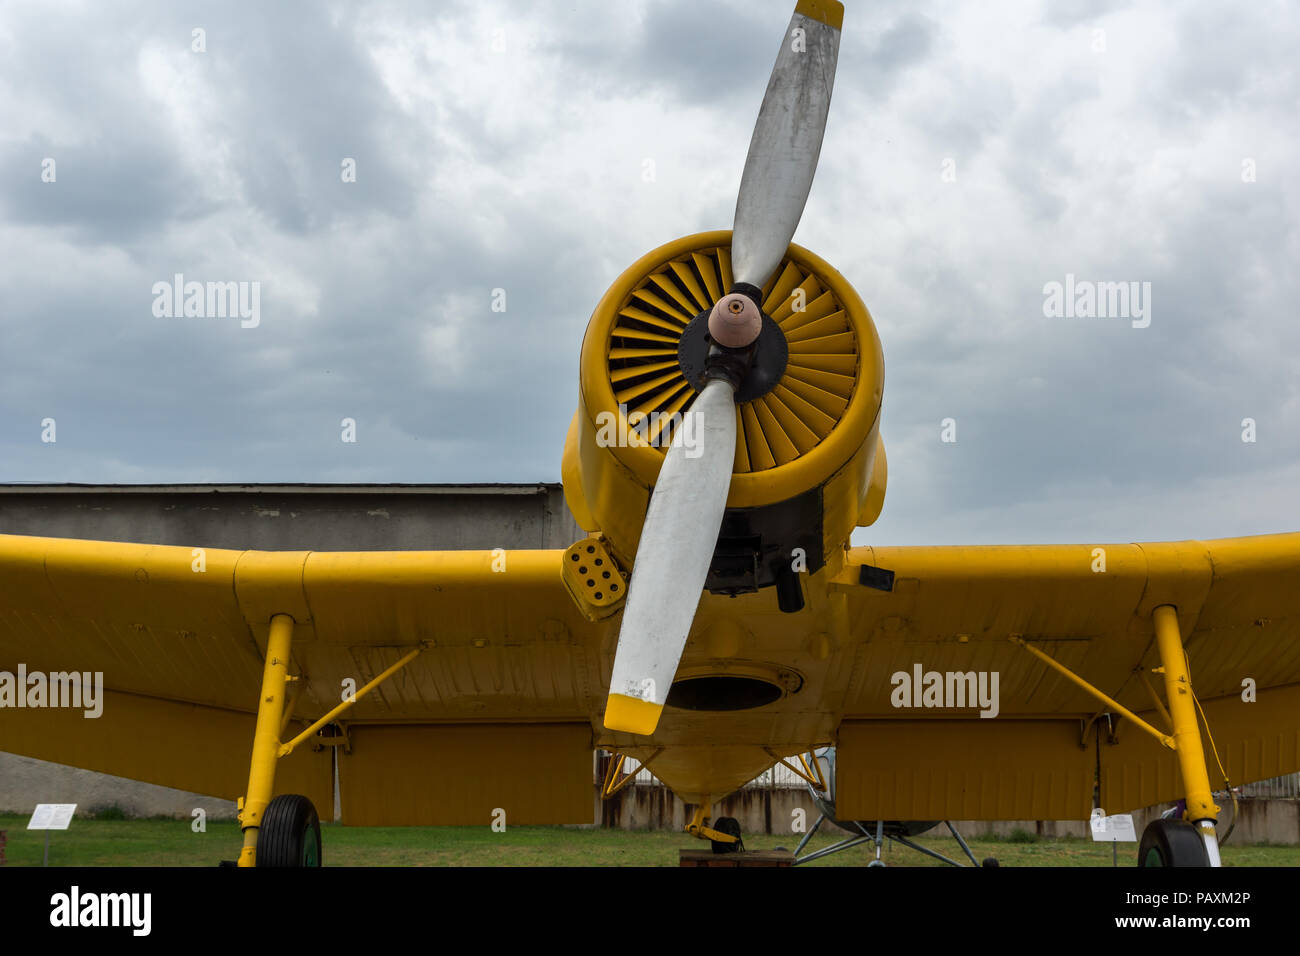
{"x": 52, "y": 816}
{"x": 1116, "y": 829}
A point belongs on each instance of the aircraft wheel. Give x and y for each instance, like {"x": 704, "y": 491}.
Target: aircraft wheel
{"x": 876, "y": 863}
{"x": 1172, "y": 843}
{"x": 730, "y": 826}
{"x": 990, "y": 861}
{"x": 289, "y": 834}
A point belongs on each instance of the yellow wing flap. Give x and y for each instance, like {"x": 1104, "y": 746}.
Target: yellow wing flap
{"x": 953, "y": 609}
{"x": 467, "y": 774}
{"x": 962, "y": 770}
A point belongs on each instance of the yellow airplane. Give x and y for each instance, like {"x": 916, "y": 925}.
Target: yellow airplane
{"x": 714, "y": 621}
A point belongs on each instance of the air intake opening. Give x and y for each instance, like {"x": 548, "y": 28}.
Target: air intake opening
{"x": 722, "y": 692}
{"x": 812, "y": 356}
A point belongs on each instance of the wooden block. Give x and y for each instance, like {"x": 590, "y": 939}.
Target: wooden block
{"x": 746, "y": 858}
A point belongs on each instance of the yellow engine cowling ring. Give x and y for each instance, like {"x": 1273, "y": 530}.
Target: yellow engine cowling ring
{"x": 609, "y": 473}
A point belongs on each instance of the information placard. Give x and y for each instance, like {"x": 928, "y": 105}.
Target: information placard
{"x": 52, "y": 816}
{"x": 1116, "y": 829}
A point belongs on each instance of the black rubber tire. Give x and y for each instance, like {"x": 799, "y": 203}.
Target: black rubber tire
{"x": 990, "y": 861}
{"x": 1171, "y": 843}
{"x": 731, "y": 827}
{"x": 290, "y": 833}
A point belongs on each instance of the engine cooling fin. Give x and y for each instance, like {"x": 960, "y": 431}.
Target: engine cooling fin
{"x": 773, "y": 429}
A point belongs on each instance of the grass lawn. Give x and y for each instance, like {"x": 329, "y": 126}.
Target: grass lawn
{"x": 159, "y": 842}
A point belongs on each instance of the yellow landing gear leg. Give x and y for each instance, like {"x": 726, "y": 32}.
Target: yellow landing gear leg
{"x": 266, "y": 736}
{"x": 1201, "y": 810}
{"x": 724, "y": 841}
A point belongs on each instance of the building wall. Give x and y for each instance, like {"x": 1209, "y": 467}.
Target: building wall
{"x": 25, "y": 782}
{"x": 296, "y": 517}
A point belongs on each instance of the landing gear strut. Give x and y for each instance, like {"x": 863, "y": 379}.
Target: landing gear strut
{"x": 724, "y": 835}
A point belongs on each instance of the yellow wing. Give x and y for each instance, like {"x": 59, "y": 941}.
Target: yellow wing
{"x": 954, "y": 609}
{"x": 497, "y": 711}
{"x": 493, "y": 713}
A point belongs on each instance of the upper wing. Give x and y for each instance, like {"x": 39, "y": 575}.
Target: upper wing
{"x": 953, "y": 609}
{"x": 179, "y": 636}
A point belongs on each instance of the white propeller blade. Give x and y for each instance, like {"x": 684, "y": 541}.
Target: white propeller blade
{"x": 787, "y": 141}
{"x": 672, "y": 560}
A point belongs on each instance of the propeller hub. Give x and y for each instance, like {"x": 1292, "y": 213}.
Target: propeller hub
{"x": 753, "y": 370}
{"x": 735, "y": 321}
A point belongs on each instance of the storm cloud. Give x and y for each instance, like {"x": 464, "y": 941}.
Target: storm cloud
{"x": 973, "y": 156}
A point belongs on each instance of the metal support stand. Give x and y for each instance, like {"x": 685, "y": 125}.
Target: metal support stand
{"x": 809, "y": 835}
{"x": 879, "y": 840}
{"x": 965, "y": 849}
{"x": 833, "y": 848}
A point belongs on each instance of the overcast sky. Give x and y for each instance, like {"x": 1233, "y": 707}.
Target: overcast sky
{"x": 976, "y": 152}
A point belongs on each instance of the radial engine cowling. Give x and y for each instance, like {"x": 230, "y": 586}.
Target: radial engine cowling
{"x": 809, "y": 465}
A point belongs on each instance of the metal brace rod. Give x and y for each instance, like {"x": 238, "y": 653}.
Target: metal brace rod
{"x": 953, "y": 830}
{"x": 920, "y": 849}
{"x": 286, "y": 749}
{"x": 808, "y": 836}
{"x": 813, "y": 774}
{"x": 1079, "y": 682}
{"x": 1155, "y": 698}
{"x": 835, "y": 848}
{"x": 609, "y": 788}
